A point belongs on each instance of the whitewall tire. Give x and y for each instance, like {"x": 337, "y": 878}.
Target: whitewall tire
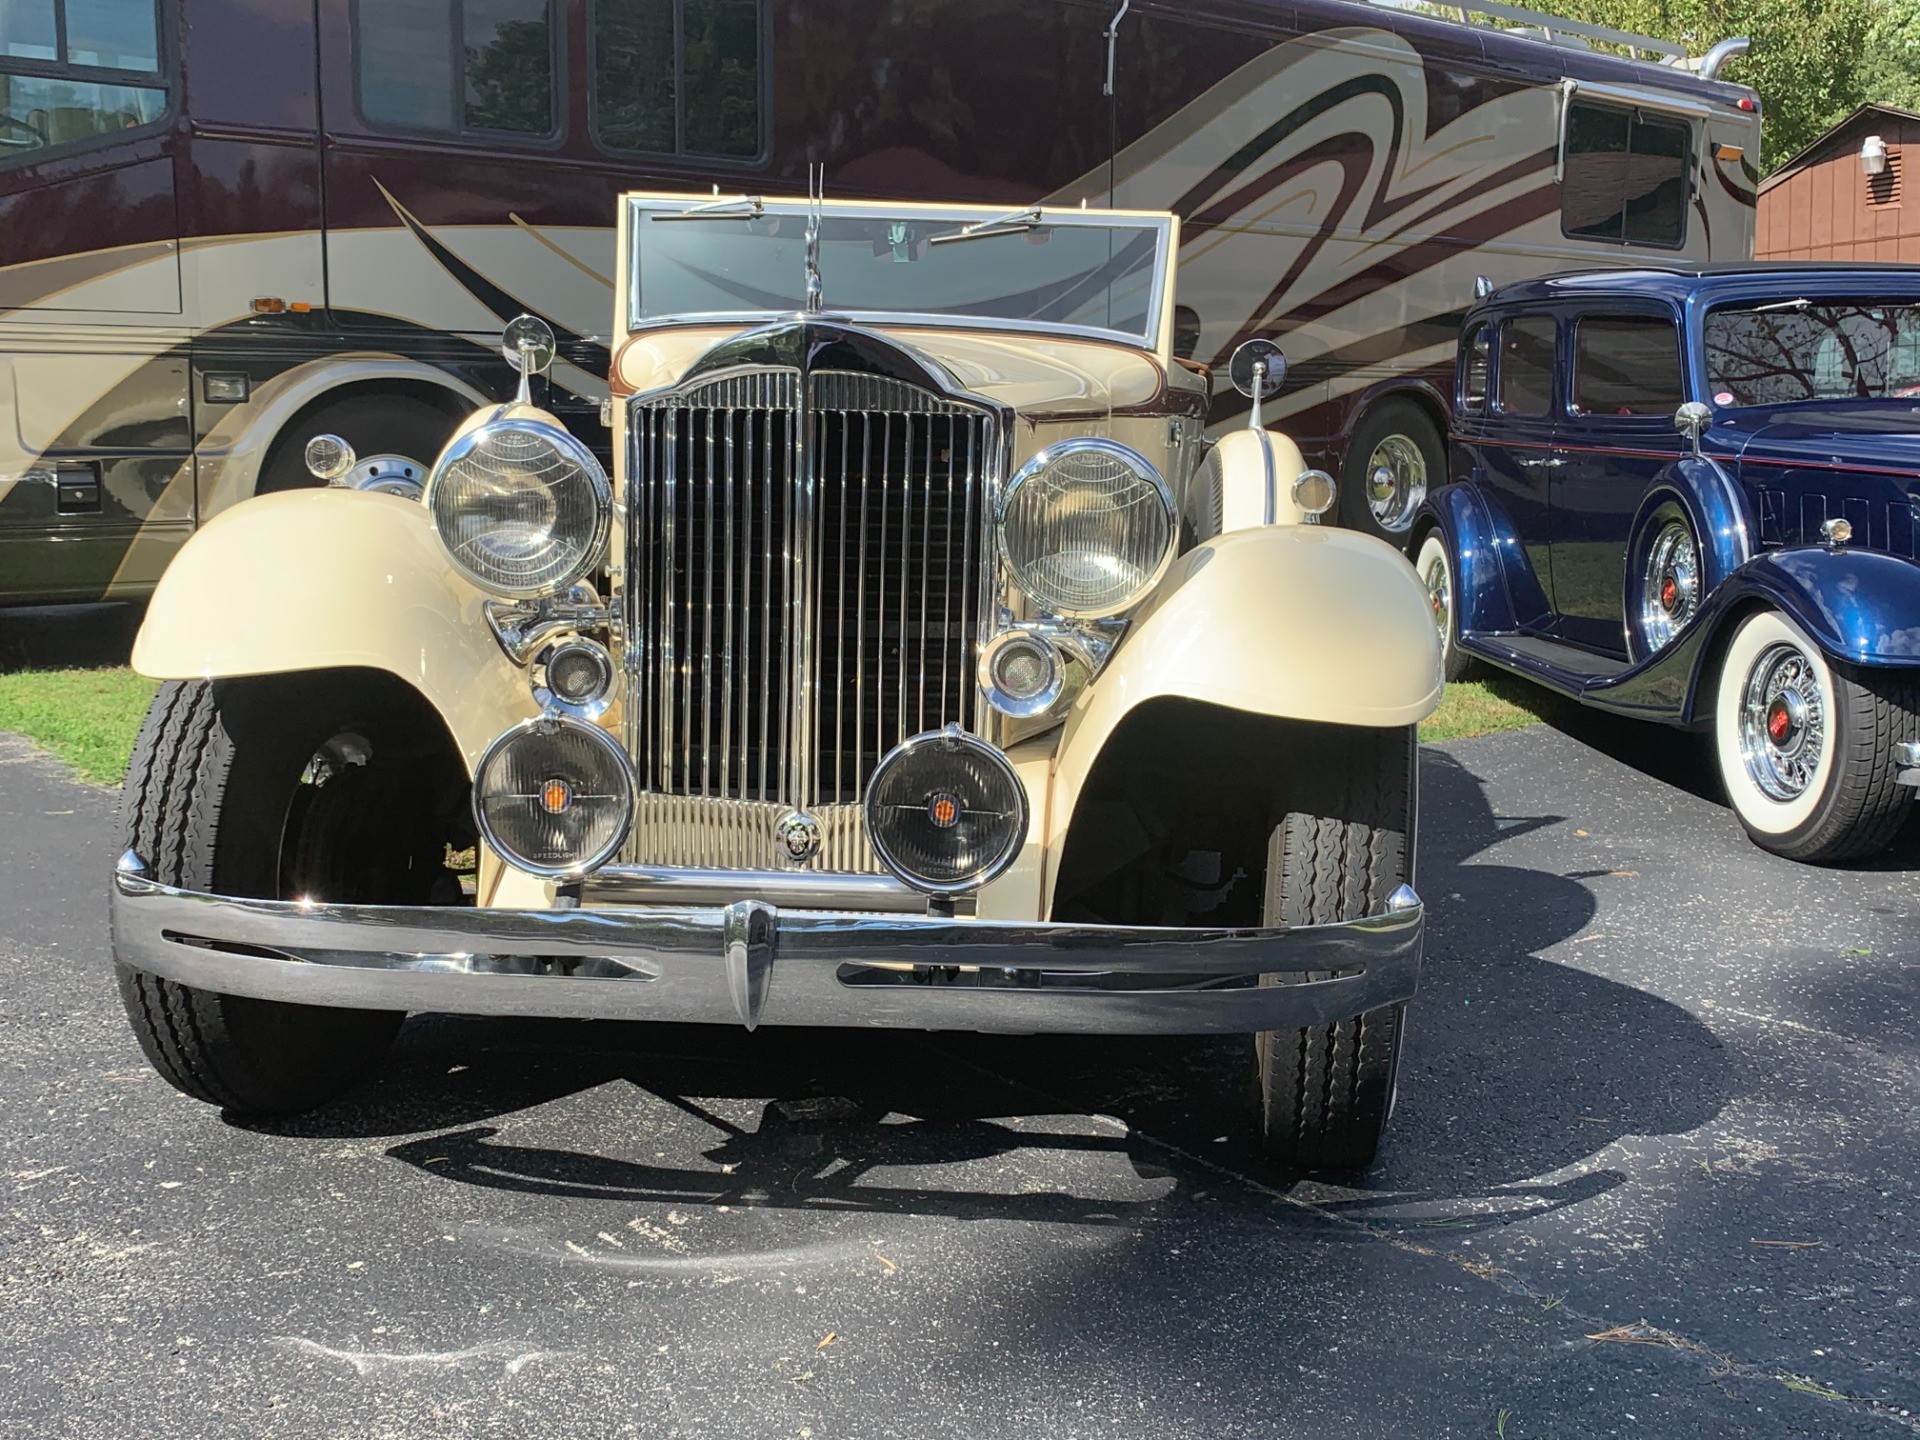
{"x": 1806, "y": 753}
{"x": 1434, "y": 565}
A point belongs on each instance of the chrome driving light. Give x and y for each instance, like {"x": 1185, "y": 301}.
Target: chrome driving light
{"x": 946, "y": 812}
{"x": 522, "y": 507}
{"x": 554, "y": 796}
{"x": 1088, "y": 527}
{"x": 574, "y": 676}
{"x": 1022, "y": 673}
{"x": 1314, "y": 493}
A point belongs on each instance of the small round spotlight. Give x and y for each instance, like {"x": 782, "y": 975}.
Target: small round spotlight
{"x": 1021, "y": 673}
{"x": 1314, "y": 492}
{"x": 574, "y": 677}
{"x": 330, "y": 458}
{"x": 946, "y": 812}
{"x": 554, "y": 796}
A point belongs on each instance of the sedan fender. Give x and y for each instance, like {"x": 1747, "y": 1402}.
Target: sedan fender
{"x": 1297, "y": 622}
{"x": 324, "y": 579}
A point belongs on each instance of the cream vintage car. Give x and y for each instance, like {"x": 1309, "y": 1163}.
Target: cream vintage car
{"x": 922, "y": 665}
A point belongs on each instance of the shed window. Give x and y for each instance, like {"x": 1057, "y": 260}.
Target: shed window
{"x": 678, "y": 77}
{"x": 1626, "y": 365}
{"x": 458, "y": 66}
{"x": 1625, "y": 177}
{"x": 76, "y": 70}
{"x": 1526, "y": 365}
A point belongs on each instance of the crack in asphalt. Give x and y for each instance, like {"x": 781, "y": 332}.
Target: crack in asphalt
{"x": 1603, "y": 1332}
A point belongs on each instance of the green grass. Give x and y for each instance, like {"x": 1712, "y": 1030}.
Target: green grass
{"x": 86, "y": 717}
{"x": 1480, "y": 707}
{"x": 89, "y": 717}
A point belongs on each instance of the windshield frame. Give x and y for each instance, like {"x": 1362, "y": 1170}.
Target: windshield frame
{"x": 637, "y": 207}
{"x": 1821, "y": 290}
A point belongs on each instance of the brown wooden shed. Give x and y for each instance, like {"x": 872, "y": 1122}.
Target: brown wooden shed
{"x": 1822, "y": 205}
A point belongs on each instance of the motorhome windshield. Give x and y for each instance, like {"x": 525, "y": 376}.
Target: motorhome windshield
{"x": 1073, "y": 269}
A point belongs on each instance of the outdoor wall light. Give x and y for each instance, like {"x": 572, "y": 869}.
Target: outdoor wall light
{"x": 1873, "y": 155}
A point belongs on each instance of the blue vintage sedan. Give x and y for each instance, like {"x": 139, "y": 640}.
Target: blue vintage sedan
{"x": 1693, "y": 495}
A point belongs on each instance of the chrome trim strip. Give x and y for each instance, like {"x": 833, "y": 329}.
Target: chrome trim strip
{"x": 672, "y": 963}
{"x": 795, "y": 889}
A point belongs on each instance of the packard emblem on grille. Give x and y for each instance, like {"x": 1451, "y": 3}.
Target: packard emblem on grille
{"x": 799, "y": 836}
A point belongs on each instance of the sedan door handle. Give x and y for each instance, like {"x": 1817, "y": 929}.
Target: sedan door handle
{"x": 1543, "y": 464}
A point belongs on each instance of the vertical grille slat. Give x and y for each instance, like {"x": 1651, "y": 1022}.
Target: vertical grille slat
{"x": 799, "y": 602}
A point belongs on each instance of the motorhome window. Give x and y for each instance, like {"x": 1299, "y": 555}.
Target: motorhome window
{"x": 457, "y": 66}
{"x": 1626, "y": 365}
{"x": 1625, "y": 176}
{"x": 89, "y": 59}
{"x": 1526, "y": 365}
{"x": 1473, "y": 371}
{"x": 678, "y": 77}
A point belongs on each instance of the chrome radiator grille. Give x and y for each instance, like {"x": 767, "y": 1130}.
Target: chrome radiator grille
{"x": 805, "y": 591}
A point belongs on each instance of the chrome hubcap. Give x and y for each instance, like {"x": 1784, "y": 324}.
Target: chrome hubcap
{"x": 1783, "y": 725}
{"x": 1670, "y": 591}
{"x": 1440, "y": 595}
{"x": 390, "y": 474}
{"x": 1396, "y": 482}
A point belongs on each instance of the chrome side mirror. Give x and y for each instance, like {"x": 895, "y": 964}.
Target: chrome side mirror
{"x": 1482, "y": 287}
{"x": 529, "y": 346}
{"x": 1257, "y": 369}
{"x": 1693, "y": 420}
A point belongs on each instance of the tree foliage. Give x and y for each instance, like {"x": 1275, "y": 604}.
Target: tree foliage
{"x": 1811, "y": 61}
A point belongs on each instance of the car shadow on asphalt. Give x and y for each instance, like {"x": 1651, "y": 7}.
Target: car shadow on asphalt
{"x": 62, "y": 637}
{"x": 1521, "y": 1045}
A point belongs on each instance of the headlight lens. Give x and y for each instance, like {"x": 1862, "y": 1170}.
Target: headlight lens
{"x": 554, "y": 796}
{"x": 1087, "y": 527}
{"x": 521, "y": 506}
{"x": 946, "y": 812}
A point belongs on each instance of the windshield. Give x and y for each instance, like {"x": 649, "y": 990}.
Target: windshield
{"x": 1077, "y": 269}
{"x": 1783, "y": 352}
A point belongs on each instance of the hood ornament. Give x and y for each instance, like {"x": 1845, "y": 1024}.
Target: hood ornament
{"x": 816, "y": 197}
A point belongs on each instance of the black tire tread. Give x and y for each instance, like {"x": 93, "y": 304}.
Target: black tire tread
{"x": 1326, "y": 1091}
{"x": 1869, "y": 805}
{"x": 247, "y": 1056}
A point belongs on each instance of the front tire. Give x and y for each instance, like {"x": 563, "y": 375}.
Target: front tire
{"x": 239, "y": 790}
{"x": 1326, "y": 1092}
{"x": 1394, "y": 458}
{"x": 1434, "y": 565}
{"x": 395, "y": 437}
{"x": 1805, "y": 751}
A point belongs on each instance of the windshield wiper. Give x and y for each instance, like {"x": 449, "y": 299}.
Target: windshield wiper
{"x": 1017, "y": 222}
{"x": 734, "y": 207}
{"x": 1801, "y": 304}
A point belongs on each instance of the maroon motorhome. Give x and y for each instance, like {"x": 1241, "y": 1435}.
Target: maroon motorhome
{"x": 226, "y": 227}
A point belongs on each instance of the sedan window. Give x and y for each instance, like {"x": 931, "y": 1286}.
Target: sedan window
{"x": 1526, "y": 365}
{"x": 1626, "y": 365}
{"x": 1784, "y": 352}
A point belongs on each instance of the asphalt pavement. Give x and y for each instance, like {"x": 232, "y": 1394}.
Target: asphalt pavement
{"x": 1651, "y": 1175}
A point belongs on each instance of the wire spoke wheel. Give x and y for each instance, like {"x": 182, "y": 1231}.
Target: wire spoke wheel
{"x": 1670, "y": 585}
{"x": 1396, "y": 481}
{"x": 1783, "y": 723}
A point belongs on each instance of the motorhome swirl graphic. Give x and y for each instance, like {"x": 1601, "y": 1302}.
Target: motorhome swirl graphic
{"x": 205, "y": 262}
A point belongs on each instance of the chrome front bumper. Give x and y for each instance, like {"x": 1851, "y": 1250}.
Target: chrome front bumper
{"x": 751, "y": 963}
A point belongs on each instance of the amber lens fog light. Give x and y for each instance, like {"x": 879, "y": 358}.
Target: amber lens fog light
{"x": 554, "y": 796}
{"x": 946, "y": 812}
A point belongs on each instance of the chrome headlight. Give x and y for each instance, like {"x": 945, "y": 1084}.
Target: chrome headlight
{"x": 522, "y": 507}
{"x": 946, "y": 812}
{"x": 1087, "y": 527}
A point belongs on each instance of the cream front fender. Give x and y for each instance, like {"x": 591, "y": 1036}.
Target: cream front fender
{"x": 1299, "y": 622}
{"x": 319, "y": 579}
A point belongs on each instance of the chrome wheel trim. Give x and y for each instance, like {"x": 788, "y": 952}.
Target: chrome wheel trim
{"x": 1783, "y": 722}
{"x": 1438, "y": 577}
{"x": 1669, "y": 585}
{"x": 1396, "y": 482}
{"x": 390, "y": 474}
